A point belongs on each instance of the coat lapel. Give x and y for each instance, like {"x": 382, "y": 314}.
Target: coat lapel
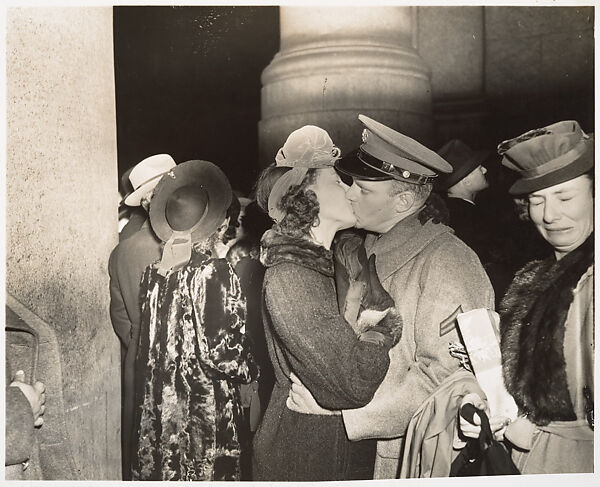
{"x": 402, "y": 243}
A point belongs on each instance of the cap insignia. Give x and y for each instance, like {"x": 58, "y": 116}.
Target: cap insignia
{"x": 387, "y": 167}
{"x": 365, "y": 135}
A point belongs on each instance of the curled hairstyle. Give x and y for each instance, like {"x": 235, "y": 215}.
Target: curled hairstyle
{"x": 299, "y": 204}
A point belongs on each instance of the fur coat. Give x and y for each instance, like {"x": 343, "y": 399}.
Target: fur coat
{"x": 192, "y": 354}
{"x": 547, "y": 347}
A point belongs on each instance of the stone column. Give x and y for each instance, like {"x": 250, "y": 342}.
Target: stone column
{"x": 452, "y": 41}
{"x": 337, "y": 62}
{"x": 61, "y": 184}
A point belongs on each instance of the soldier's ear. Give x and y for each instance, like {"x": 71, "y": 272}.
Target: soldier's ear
{"x": 404, "y": 201}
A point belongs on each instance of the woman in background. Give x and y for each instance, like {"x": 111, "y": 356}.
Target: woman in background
{"x": 192, "y": 352}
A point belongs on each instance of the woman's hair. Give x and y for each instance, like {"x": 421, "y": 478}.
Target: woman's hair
{"x": 299, "y": 204}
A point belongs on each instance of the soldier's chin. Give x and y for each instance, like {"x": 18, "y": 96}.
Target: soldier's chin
{"x": 358, "y": 224}
{"x": 348, "y": 224}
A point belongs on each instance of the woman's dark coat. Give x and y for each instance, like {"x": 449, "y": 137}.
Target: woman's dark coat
{"x": 306, "y": 335}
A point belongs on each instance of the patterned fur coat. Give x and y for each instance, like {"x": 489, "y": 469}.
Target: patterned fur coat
{"x": 192, "y": 355}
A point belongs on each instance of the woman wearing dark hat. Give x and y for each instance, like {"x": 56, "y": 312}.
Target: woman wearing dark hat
{"x": 547, "y": 325}
{"x": 192, "y": 350}
{"x": 305, "y": 332}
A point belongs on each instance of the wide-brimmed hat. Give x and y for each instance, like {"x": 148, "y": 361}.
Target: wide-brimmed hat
{"x": 145, "y": 176}
{"x": 387, "y": 154}
{"x": 547, "y": 156}
{"x": 463, "y": 160}
{"x": 192, "y": 197}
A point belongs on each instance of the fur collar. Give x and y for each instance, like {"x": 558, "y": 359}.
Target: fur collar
{"x": 533, "y": 314}
{"x": 277, "y": 248}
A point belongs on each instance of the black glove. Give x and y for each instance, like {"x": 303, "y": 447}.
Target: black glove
{"x": 346, "y": 249}
{"x": 390, "y": 328}
{"x": 378, "y": 313}
{"x": 375, "y": 297}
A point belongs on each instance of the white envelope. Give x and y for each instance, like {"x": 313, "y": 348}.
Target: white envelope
{"x": 480, "y": 334}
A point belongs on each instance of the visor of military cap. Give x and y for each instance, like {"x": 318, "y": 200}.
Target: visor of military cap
{"x": 353, "y": 166}
{"x": 407, "y": 147}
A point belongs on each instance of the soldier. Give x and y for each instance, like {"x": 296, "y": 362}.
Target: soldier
{"x": 431, "y": 275}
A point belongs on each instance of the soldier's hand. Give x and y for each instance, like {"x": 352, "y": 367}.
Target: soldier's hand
{"x": 472, "y": 429}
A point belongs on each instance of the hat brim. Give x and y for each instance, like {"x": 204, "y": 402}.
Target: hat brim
{"x": 576, "y": 168}
{"x": 353, "y": 166}
{"x": 475, "y": 160}
{"x": 212, "y": 180}
{"x": 135, "y": 198}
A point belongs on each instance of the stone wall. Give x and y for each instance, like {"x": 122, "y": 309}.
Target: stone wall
{"x": 498, "y": 71}
{"x": 61, "y": 209}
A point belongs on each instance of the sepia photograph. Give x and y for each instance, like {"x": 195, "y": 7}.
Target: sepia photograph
{"x": 298, "y": 241}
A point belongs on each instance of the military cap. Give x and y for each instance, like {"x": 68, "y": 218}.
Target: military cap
{"x": 547, "y": 156}
{"x": 387, "y": 154}
{"x": 463, "y": 160}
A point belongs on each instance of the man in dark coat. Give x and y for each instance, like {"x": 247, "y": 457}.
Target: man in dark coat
{"x": 126, "y": 265}
{"x": 478, "y": 227}
{"x": 459, "y": 190}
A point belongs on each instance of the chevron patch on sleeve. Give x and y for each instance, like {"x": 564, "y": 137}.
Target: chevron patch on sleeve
{"x": 447, "y": 325}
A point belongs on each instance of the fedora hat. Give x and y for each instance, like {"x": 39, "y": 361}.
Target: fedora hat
{"x": 145, "y": 176}
{"x": 547, "y": 156}
{"x": 463, "y": 160}
{"x": 387, "y": 154}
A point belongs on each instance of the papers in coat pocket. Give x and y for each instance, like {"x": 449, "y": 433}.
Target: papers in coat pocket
{"x": 480, "y": 334}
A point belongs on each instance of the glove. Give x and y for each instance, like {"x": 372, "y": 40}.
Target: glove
{"x": 347, "y": 246}
{"x": 375, "y": 296}
{"x": 379, "y": 314}
{"x": 389, "y": 327}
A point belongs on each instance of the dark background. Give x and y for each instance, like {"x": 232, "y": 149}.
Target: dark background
{"x": 188, "y": 84}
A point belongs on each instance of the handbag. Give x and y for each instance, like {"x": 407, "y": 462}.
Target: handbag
{"x": 484, "y": 455}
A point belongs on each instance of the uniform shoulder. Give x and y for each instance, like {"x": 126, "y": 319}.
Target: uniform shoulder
{"x": 447, "y": 244}
{"x": 450, "y": 258}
